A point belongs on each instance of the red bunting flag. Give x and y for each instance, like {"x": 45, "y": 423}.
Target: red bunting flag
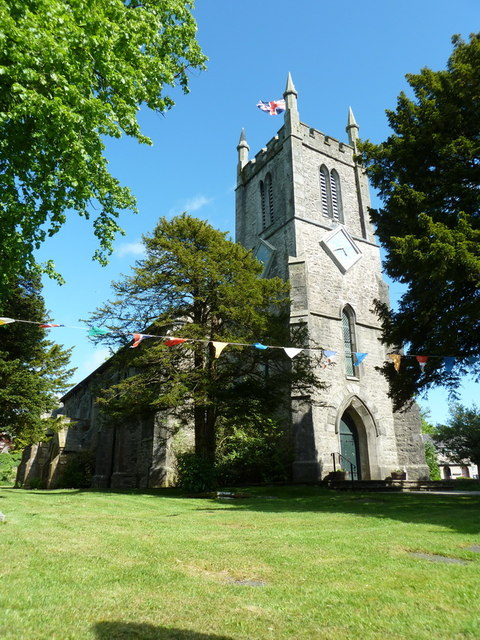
{"x": 422, "y": 361}
{"x": 137, "y": 338}
{"x": 171, "y": 342}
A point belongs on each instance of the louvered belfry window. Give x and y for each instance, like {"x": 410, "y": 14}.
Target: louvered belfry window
{"x": 330, "y": 194}
{"x": 266, "y": 198}
{"x": 348, "y": 342}
{"x": 262, "y": 201}
{"x": 337, "y": 212}
{"x": 324, "y": 195}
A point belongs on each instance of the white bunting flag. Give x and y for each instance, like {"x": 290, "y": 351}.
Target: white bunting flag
{"x": 292, "y": 351}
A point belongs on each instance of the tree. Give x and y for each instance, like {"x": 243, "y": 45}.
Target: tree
{"x": 428, "y": 175}
{"x": 33, "y": 370}
{"x": 198, "y": 285}
{"x": 459, "y": 439}
{"x": 431, "y": 456}
{"x": 71, "y": 73}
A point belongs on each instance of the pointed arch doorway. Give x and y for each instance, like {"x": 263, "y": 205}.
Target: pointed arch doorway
{"x": 349, "y": 447}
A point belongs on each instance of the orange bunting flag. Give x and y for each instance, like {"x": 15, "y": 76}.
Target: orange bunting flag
{"x": 219, "y": 347}
{"x": 396, "y": 358}
{"x": 422, "y": 361}
{"x": 172, "y": 342}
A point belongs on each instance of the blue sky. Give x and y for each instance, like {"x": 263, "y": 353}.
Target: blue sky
{"x": 340, "y": 54}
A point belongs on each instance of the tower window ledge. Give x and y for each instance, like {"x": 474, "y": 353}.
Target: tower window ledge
{"x": 353, "y": 378}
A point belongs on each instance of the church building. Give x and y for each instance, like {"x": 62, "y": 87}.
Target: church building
{"x": 302, "y": 208}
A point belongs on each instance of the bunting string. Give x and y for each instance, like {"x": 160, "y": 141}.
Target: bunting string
{"x": 173, "y": 341}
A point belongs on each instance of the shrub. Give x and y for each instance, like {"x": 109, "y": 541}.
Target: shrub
{"x": 78, "y": 471}
{"x": 254, "y": 453}
{"x": 431, "y": 460}
{"x": 8, "y": 465}
{"x": 195, "y": 474}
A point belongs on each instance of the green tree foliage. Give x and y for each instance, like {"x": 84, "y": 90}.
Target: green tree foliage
{"x": 71, "y": 73}
{"x": 431, "y": 456}
{"x": 9, "y": 462}
{"x": 197, "y": 284}
{"x": 428, "y": 176}
{"x": 32, "y": 368}
{"x": 459, "y": 439}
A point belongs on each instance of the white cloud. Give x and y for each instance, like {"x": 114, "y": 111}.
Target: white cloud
{"x": 191, "y": 205}
{"x": 196, "y": 203}
{"x": 130, "y": 249}
{"x": 92, "y": 362}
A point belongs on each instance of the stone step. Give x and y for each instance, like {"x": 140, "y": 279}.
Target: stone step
{"x": 392, "y": 485}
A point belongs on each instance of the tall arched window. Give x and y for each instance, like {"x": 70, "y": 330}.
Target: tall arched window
{"x": 330, "y": 194}
{"x": 324, "y": 190}
{"x": 337, "y": 209}
{"x": 349, "y": 343}
{"x": 262, "y": 203}
{"x": 266, "y": 197}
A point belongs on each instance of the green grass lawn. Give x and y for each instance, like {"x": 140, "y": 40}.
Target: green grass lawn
{"x": 302, "y": 563}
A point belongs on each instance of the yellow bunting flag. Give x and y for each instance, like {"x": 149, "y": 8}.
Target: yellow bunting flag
{"x": 396, "y": 359}
{"x": 219, "y": 347}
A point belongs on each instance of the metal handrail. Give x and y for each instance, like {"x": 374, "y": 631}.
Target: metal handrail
{"x": 342, "y": 457}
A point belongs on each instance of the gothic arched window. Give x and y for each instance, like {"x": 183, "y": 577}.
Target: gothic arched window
{"x": 324, "y": 190}
{"x": 262, "y": 202}
{"x": 330, "y": 194}
{"x": 349, "y": 343}
{"x": 337, "y": 209}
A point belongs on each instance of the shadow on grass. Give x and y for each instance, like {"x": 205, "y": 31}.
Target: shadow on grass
{"x": 460, "y": 513}
{"x": 138, "y": 631}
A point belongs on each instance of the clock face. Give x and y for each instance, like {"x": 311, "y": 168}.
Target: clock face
{"x": 341, "y": 248}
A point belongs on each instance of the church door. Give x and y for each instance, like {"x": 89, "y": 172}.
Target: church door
{"x": 349, "y": 447}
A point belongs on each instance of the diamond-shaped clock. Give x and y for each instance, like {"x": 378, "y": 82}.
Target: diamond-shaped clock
{"x": 341, "y": 248}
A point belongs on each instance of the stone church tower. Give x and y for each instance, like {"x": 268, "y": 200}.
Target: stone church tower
{"x": 302, "y": 207}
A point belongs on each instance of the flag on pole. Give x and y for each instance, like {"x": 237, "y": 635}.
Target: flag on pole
{"x": 274, "y": 107}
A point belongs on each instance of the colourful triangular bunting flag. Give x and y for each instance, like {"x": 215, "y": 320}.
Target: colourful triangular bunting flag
{"x": 6, "y": 320}
{"x": 137, "y": 338}
{"x": 448, "y": 362}
{"x": 422, "y": 361}
{"x": 97, "y": 331}
{"x": 259, "y": 345}
{"x": 172, "y": 342}
{"x": 292, "y": 351}
{"x": 396, "y": 358}
{"x": 360, "y": 357}
{"x": 219, "y": 347}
